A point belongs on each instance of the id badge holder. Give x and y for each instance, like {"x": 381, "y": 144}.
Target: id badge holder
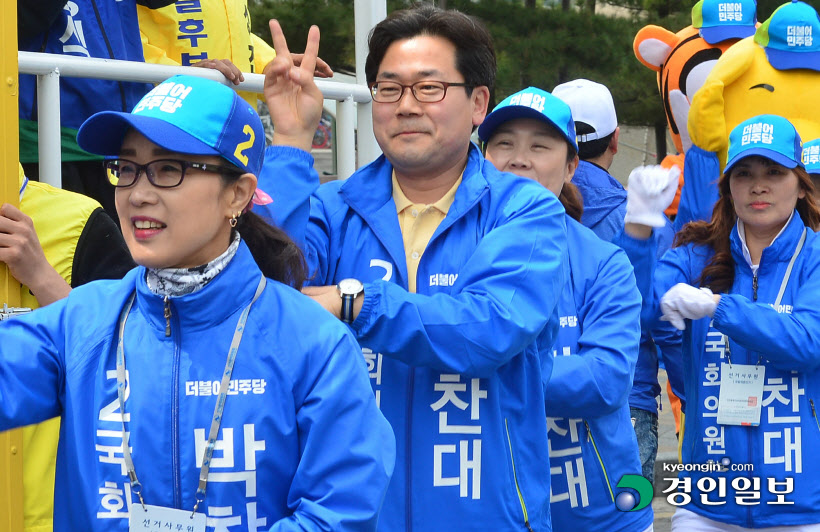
{"x": 741, "y": 393}
{"x": 158, "y": 519}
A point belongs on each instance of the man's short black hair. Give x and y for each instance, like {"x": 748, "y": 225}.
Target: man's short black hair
{"x": 592, "y": 148}
{"x": 475, "y": 56}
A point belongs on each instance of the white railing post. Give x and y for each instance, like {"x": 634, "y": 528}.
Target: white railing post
{"x": 345, "y": 139}
{"x": 48, "y": 129}
{"x": 368, "y": 13}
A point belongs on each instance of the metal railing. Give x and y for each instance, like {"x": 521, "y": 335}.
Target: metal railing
{"x": 50, "y": 67}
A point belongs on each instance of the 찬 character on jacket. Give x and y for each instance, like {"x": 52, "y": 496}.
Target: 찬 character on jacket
{"x": 591, "y": 440}
{"x": 454, "y": 367}
{"x": 783, "y": 340}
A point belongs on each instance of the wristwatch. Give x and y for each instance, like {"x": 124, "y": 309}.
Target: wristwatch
{"x": 349, "y": 290}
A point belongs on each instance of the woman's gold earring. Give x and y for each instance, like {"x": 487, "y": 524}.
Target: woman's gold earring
{"x": 234, "y": 220}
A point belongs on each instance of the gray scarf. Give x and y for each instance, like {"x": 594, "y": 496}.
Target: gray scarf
{"x": 176, "y": 282}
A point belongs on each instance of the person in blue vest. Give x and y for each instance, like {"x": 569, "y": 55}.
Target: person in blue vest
{"x": 445, "y": 269}
{"x": 591, "y": 441}
{"x": 202, "y": 389}
{"x": 742, "y": 288}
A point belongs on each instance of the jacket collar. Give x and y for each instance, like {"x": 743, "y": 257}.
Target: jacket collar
{"x": 369, "y": 192}
{"x": 230, "y": 291}
{"x": 780, "y": 250}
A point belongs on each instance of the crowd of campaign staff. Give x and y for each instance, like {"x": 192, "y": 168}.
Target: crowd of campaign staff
{"x": 463, "y": 350}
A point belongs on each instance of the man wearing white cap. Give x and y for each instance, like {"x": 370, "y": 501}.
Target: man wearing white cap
{"x": 597, "y": 127}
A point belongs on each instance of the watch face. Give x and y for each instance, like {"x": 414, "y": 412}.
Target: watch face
{"x": 350, "y": 286}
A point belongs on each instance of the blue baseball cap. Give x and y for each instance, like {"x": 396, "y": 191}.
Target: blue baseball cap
{"x": 791, "y": 37}
{"x": 811, "y": 156}
{"x": 769, "y": 136}
{"x": 531, "y": 103}
{"x": 184, "y": 114}
{"x": 720, "y": 20}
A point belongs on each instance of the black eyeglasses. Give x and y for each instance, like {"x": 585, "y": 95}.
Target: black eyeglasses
{"x": 162, "y": 173}
{"x": 423, "y": 91}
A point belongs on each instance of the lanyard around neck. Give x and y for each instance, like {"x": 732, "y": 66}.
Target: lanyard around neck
{"x": 136, "y": 486}
{"x": 780, "y": 292}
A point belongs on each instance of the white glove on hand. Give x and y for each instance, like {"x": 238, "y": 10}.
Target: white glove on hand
{"x": 649, "y": 192}
{"x": 684, "y": 301}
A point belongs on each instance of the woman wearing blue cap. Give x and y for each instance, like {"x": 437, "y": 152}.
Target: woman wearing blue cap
{"x": 592, "y": 444}
{"x": 743, "y": 290}
{"x": 202, "y": 390}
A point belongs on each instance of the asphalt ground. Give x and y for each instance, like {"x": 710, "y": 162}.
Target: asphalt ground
{"x": 667, "y": 452}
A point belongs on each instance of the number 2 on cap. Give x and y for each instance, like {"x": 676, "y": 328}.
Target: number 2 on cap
{"x": 242, "y": 146}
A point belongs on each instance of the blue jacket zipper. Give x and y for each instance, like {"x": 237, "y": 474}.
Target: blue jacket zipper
{"x": 175, "y": 463}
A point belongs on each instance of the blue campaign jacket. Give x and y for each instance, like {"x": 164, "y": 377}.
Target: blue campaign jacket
{"x": 786, "y": 342}
{"x": 592, "y": 442}
{"x": 105, "y": 29}
{"x": 604, "y": 200}
{"x": 454, "y": 367}
{"x": 301, "y": 446}
{"x": 645, "y": 388}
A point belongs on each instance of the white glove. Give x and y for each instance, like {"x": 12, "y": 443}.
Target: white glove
{"x": 649, "y": 192}
{"x": 684, "y": 301}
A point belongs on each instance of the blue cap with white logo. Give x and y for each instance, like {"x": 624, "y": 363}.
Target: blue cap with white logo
{"x": 532, "y": 103}
{"x": 184, "y": 114}
{"x": 791, "y": 37}
{"x": 769, "y": 136}
{"x": 811, "y": 156}
{"x": 720, "y": 20}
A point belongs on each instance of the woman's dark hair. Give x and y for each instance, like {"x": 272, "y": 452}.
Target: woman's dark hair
{"x": 274, "y": 252}
{"x": 475, "y": 56}
{"x": 571, "y": 199}
{"x": 719, "y": 272}
{"x": 591, "y": 148}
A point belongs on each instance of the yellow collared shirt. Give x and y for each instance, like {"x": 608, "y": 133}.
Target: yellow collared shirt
{"x": 418, "y": 222}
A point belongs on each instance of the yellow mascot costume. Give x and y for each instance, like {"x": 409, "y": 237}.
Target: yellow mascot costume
{"x": 775, "y": 72}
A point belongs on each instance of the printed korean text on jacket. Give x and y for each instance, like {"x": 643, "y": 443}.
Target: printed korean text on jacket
{"x": 454, "y": 367}
{"x": 301, "y": 443}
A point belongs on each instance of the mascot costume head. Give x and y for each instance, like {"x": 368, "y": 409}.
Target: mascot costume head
{"x": 777, "y": 71}
{"x": 684, "y": 59}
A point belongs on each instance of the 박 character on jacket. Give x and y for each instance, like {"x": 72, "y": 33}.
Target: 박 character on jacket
{"x": 202, "y": 381}
{"x": 55, "y": 241}
{"x": 742, "y": 289}
{"x": 591, "y": 442}
{"x": 83, "y": 28}
{"x": 445, "y": 269}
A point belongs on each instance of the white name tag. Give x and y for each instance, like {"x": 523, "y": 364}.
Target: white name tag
{"x": 159, "y": 519}
{"x": 741, "y": 393}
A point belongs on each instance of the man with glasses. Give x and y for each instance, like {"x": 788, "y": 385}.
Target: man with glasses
{"x": 445, "y": 269}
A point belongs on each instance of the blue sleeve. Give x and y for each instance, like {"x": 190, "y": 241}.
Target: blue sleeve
{"x": 289, "y": 178}
{"x": 505, "y": 294}
{"x": 701, "y": 170}
{"x": 347, "y": 448}
{"x": 596, "y": 381}
{"x": 643, "y": 254}
{"x": 790, "y": 339}
{"x": 32, "y": 367}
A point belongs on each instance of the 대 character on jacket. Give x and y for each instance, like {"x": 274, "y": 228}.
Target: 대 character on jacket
{"x": 202, "y": 388}
{"x": 591, "y": 440}
{"x": 445, "y": 269}
{"x": 742, "y": 288}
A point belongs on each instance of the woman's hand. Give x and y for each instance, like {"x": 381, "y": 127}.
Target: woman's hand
{"x": 294, "y": 100}
{"x": 649, "y": 192}
{"x": 684, "y": 301}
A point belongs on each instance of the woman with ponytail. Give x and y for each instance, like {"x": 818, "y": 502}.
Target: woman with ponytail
{"x": 742, "y": 288}
{"x": 591, "y": 440}
{"x": 202, "y": 389}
